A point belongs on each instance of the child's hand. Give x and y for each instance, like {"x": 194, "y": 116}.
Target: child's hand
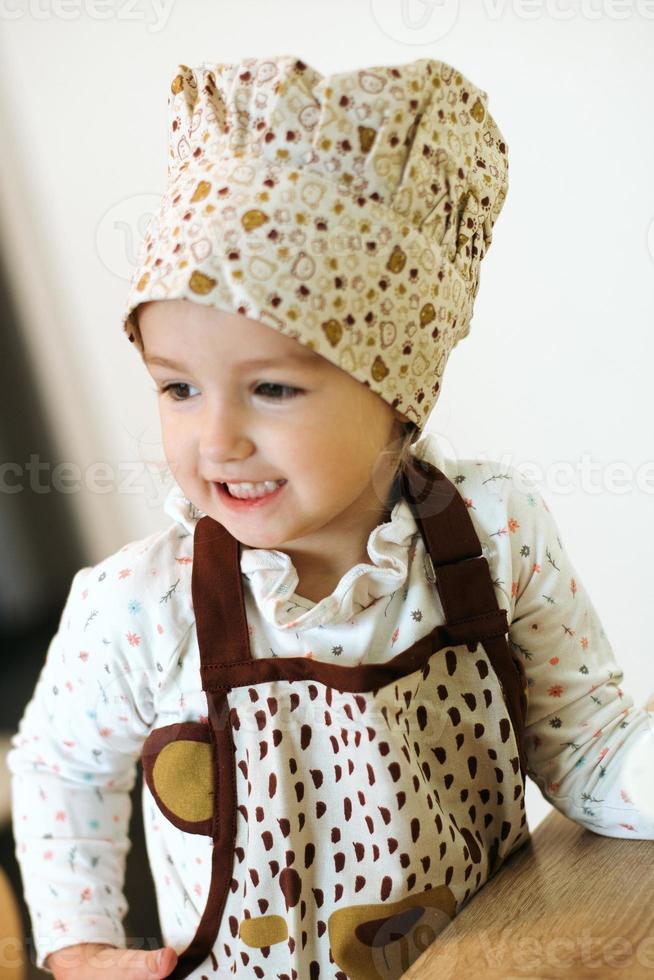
{"x": 650, "y": 704}
{"x": 101, "y": 961}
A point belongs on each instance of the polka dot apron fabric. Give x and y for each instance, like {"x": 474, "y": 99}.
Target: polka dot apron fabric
{"x": 353, "y": 811}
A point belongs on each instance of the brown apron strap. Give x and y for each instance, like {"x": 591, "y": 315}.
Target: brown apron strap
{"x": 441, "y": 513}
{"x": 217, "y": 591}
{"x": 462, "y": 577}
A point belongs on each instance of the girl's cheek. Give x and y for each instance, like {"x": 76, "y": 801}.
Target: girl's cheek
{"x": 174, "y": 428}
{"x": 172, "y": 445}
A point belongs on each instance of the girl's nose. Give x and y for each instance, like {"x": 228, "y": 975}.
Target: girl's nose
{"x": 222, "y": 435}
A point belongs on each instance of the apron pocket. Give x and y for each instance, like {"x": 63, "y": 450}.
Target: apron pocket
{"x": 178, "y": 769}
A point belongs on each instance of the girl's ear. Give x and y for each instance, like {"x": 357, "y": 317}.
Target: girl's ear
{"x": 400, "y": 424}
{"x": 408, "y": 429}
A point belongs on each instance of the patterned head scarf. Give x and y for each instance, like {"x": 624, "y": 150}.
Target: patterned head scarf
{"x": 349, "y": 211}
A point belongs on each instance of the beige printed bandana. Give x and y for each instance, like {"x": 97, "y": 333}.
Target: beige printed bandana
{"x": 350, "y": 211}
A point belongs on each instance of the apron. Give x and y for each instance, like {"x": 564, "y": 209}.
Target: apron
{"x": 352, "y": 811}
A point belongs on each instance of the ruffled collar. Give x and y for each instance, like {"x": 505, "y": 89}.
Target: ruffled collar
{"x": 272, "y": 577}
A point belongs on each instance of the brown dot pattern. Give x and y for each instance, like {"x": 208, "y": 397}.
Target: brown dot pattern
{"x": 352, "y": 800}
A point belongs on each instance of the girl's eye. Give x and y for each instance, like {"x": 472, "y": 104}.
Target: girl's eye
{"x": 291, "y": 392}
{"x": 175, "y": 386}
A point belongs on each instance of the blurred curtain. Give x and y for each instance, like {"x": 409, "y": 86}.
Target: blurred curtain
{"x": 40, "y": 547}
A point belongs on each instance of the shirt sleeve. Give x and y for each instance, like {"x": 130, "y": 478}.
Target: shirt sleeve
{"x": 73, "y": 759}
{"x": 583, "y": 730}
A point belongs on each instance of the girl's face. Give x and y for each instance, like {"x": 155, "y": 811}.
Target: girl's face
{"x": 298, "y": 418}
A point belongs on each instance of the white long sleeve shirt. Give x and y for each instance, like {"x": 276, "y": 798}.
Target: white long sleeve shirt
{"x": 125, "y": 660}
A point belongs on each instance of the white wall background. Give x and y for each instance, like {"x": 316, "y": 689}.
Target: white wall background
{"x": 557, "y": 368}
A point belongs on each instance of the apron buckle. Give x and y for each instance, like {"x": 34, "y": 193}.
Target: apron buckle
{"x": 429, "y": 569}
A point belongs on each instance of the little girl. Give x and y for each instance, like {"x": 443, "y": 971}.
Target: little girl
{"x": 342, "y": 658}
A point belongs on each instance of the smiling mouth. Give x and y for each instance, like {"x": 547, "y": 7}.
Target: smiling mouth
{"x": 247, "y": 499}
{"x": 270, "y": 487}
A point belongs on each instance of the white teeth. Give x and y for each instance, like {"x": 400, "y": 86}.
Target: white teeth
{"x": 252, "y": 490}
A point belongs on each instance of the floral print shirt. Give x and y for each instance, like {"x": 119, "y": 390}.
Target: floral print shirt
{"x": 125, "y": 660}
